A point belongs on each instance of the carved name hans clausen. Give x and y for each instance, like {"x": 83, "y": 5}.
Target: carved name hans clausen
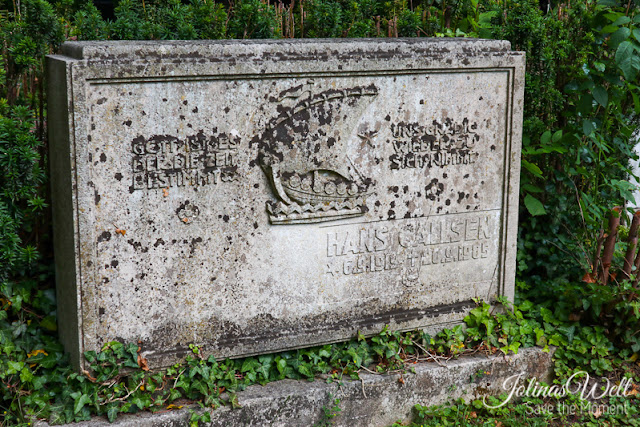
{"x": 302, "y": 152}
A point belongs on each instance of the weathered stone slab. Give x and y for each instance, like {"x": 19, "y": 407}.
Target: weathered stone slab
{"x": 257, "y": 196}
{"x": 375, "y": 400}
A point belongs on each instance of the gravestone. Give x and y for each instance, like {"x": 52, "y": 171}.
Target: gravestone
{"x": 256, "y": 196}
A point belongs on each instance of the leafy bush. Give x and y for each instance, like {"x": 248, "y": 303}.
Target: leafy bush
{"x": 253, "y": 19}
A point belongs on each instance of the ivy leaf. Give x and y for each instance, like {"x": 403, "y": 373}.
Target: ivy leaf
{"x": 601, "y": 96}
{"x": 250, "y": 364}
{"x": 534, "y": 206}
{"x": 82, "y": 400}
{"x": 138, "y": 402}
{"x": 112, "y": 412}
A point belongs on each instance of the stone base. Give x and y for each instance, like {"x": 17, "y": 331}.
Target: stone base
{"x": 376, "y": 400}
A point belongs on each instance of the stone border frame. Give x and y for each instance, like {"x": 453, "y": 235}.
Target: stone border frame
{"x": 87, "y": 64}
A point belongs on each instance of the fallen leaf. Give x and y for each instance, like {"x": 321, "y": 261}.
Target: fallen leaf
{"x": 88, "y": 375}
{"x": 142, "y": 362}
{"x": 37, "y": 352}
{"x": 588, "y": 278}
{"x": 185, "y": 220}
{"x": 473, "y": 414}
{"x": 165, "y": 192}
{"x": 121, "y": 231}
{"x": 574, "y": 317}
{"x": 172, "y": 406}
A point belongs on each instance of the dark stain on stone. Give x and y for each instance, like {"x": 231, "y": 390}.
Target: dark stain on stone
{"x": 114, "y": 263}
{"x": 101, "y": 311}
{"x": 185, "y": 102}
{"x": 101, "y": 101}
{"x": 195, "y": 110}
{"x": 225, "y": 218}
{"x": 193, "y": 244}
{"x": 158, "y": 243}
{"x": 137, "y": 246}
{"x": 104, "y": 237}
{"x": 103, "y": 158}
{"x": 164, "y": 99}
{"x": 255, "y": 225}
{"x": 493, "y": 148}
{"x": 127, "y": 122}
{"x": 96, "y": 197}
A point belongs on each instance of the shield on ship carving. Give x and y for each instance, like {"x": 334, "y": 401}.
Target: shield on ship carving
{"x": 302, "y": 151}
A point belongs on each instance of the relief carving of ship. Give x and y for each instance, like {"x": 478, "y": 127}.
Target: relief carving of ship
{"x": 302, "y": 153}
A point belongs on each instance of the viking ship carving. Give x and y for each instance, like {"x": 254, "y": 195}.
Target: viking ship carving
{"x": 303, "y": 153}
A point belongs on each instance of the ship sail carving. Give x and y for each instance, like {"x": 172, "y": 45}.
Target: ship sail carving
{"x": 302, "y": 151}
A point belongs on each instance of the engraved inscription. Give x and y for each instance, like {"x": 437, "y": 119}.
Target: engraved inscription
{"x": 438, "y": 144}
{"x": 409, "y": 247}
{"x": 164, "y": 161}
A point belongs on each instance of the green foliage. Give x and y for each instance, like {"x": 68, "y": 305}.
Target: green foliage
{"x": 528, "y": 412}
{"x": 20, "y": 181}
{"x": 578, "y": 122}
{"x": 323, "y": 19}
{"x": 253, "y": 19}
{"x": 328, "y": 413}
{"x": 89, "y": 24}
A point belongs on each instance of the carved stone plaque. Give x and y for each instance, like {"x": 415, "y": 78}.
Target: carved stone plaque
{"x": 250, "y": 197}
